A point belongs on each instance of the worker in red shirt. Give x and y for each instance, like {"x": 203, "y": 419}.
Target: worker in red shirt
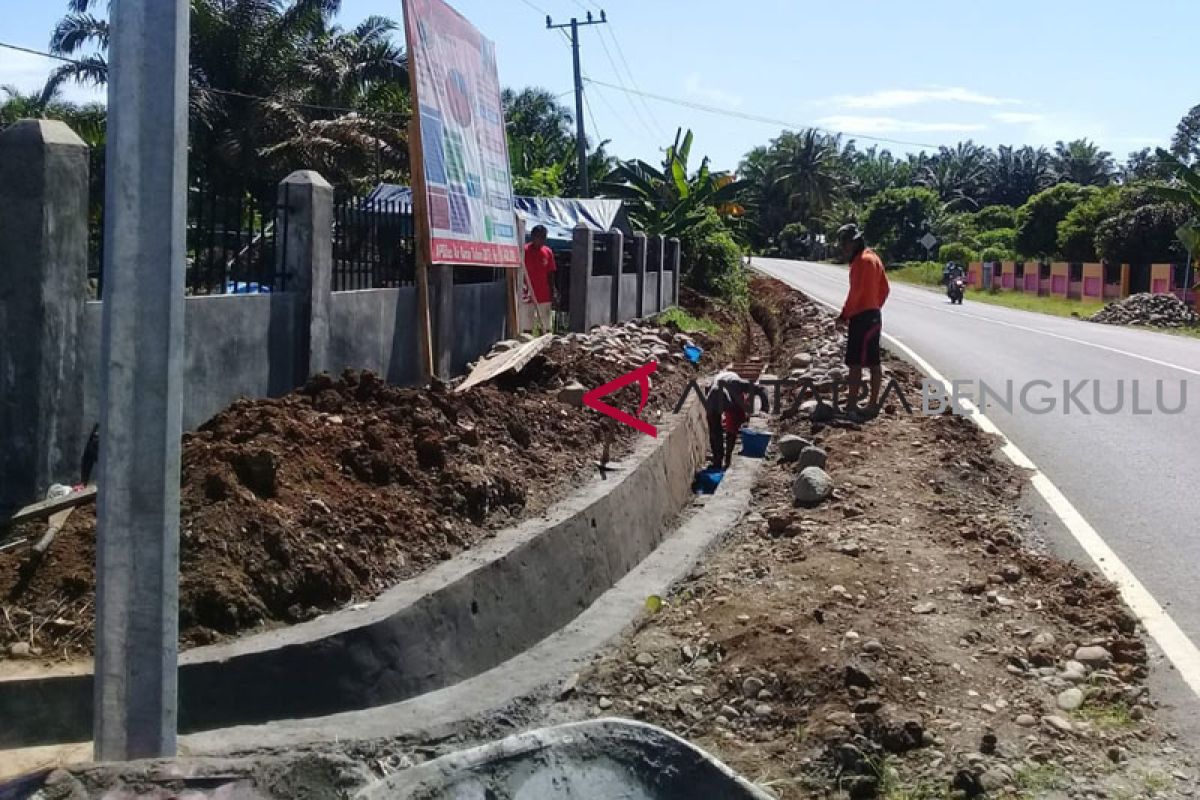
{"x": 862, "y": 313}
{"x": 537, "y": 304}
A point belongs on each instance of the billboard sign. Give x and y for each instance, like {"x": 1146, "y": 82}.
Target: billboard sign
{"x": 459, "y": 149}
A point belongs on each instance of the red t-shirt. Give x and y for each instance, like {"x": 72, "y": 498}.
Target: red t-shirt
{"x": 539, "y": 264}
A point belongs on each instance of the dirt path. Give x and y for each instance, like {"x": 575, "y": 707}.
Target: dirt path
{"x": 902, "y": 640}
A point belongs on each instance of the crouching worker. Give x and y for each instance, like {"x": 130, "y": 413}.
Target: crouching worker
{"x": 728, "y": 405}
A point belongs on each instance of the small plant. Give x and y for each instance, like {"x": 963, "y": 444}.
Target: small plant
{"x": 686, "y": 322}
{"x": 1040, "y": 778}
{"x": 1106, "y": 716}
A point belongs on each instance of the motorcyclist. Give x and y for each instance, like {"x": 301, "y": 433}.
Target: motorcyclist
{"x": 950, "y": 272}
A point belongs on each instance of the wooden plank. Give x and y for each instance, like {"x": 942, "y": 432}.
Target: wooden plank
{"x": 416, "y": 156}
{"x": 49, "y": 507}
{"x": 513, "y": 278}
{"x": 514, "y": 359}
{"x": 58, "y": 520}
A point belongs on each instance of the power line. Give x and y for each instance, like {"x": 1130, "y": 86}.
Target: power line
{"x": 632, "y": 78}
{"x": 617, "y": 73}
{"x": 536, "y": 8}
{"x": 756, "y": 118}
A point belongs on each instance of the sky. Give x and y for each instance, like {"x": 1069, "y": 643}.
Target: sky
{"x": 923, "y": 73}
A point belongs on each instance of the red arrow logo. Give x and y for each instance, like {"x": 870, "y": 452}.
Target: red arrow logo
{"x": 642, "y": 376}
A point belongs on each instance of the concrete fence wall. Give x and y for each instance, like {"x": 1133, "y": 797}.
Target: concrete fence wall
{"x": 235, "y": 346}
{"x": 616, "y": 295}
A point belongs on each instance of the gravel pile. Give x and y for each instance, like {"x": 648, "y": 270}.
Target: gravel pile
{"x": 629, "y": 344}
{"x": 1156, "y": 310}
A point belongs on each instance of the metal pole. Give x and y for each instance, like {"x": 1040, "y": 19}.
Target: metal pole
{"x": 580, "y": 135}
{"x": 137, "y": 537}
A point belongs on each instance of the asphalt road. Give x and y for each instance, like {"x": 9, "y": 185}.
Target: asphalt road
{"x": 1132, "y": 476}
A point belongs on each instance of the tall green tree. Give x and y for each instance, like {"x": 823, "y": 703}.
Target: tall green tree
{"x": 1185, "y": 144}
{"x": 896, "y": 219}
{"x": 541, "y": 145}
{"x": 1084, "y": 163}
{"x": 1038, "y": 219}
{"x": 276, "y": 86}
{"x": 958, "y": 175}
{"x": 1017, "y": 174}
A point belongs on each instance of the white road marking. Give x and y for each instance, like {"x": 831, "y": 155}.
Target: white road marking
{"x": 1174, "y": 643}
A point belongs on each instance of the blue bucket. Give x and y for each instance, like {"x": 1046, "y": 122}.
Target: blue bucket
{"x": 707, "y": 481}
{"x": 754, "y": 443}
{"x": 692, "y": 353}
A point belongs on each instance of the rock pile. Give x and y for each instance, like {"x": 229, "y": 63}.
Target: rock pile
{"x": 629, "y": 344}
{"x": 1155, "y": 310}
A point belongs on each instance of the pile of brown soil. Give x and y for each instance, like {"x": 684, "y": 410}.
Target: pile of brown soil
{"x": 296, "y": 506}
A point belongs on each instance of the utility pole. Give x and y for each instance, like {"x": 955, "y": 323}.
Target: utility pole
{"x": 141, "y": 407}
{"x": 580, "y": 135}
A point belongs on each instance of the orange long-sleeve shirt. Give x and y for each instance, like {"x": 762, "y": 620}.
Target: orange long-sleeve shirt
{"x": 868, "y": 285}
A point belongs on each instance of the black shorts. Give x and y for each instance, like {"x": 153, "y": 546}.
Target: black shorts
{"x": 862, "y": 345}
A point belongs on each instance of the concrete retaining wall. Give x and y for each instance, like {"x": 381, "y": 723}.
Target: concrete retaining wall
{"x": 459, "y": 619}
{"x": 376, "y": 330}
{"x": 479, "y": 326}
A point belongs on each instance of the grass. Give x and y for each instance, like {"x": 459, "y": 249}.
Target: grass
{"x": 1106, "y": 716}
{"x": 1040, "y": 778}
{"x": 924, "y": 273}
{"x": 686, "y": 322}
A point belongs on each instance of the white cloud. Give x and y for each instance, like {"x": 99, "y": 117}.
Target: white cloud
{"x": 1017, "y": 117}
{"x": 902, "y": 98}
{"x": 696, "y": 88}
{"x": 850, "y": 123}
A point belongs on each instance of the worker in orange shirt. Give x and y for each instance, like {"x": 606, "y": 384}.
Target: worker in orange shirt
{"x": 862, "y": 313}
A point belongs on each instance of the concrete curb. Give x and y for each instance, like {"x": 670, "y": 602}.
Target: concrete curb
{"x": 456, "y": 621}
{"x": 531, "y": 673}
{"x": 602, "y": 758}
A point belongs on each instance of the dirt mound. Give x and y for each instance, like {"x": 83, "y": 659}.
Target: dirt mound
{"x": 296, "y": 506}
{"x": 1155, "y": 310}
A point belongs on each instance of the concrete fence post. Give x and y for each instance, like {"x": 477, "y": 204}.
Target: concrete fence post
{"x": 676, "y": 260}
{"x": 441, "y": 312}
{"x": 654, "y": 258}
{"x": 639, "y": 262}
{"x": 306, "y": 198}
{"x": 581, "y": 276}
{"x": 43, "y": 288}
{"x": 616, "y": 256}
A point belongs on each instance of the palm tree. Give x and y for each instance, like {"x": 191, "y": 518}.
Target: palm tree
{"x": 805, "y": 168}
{"x": 1016, "y": 174}
{"x": 275, "y": 86}
{"x": 1084, "y": 163}
{"x": 958, "y": 175}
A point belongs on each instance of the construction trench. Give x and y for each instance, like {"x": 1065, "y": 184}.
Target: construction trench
{"x": 501, "y": 616}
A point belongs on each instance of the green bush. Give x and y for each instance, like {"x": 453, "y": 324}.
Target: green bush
{"x": 1037, "y": 220}
{"x": 958, "y": 253}
{"x": 1004, "y": 238}
{"x": 1143, "y": 235}
{"x": 993, "y": 218}
{"x": 793, "y": 241}
{"x": 896, "y": 219}
{"x": 1077, "y": 231}
{"x": 997, "y": 254}
{"x": 712, "y": 260}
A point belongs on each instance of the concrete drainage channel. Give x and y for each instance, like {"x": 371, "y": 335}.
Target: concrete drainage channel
{"x": 600, "y": 759}
{"x": 461, "y": 619}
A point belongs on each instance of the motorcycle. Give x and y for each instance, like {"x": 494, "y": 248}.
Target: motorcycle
{"x": 956, "y": 290}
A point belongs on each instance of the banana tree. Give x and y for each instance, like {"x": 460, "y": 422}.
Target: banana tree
{"x": 668, "y": 200}
{"x": 1187, "y": 193}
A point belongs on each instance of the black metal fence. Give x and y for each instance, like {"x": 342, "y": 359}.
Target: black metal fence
{"x": 601, "y": 262}
{"x": 231, "y": 244}
{"x": 628, "y": 265}
{"x": 374, "y": 245}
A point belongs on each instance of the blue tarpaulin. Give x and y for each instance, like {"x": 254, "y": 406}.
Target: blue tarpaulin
{"x": 560, "y": 215}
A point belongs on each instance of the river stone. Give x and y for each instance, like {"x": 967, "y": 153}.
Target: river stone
{"x": 791, "y": 446}
{"x": 1095, "y": 657}
{"x": 813, "y": 457}
{"x": 1070, "y": 699}
{"x": 812, "y": 485}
